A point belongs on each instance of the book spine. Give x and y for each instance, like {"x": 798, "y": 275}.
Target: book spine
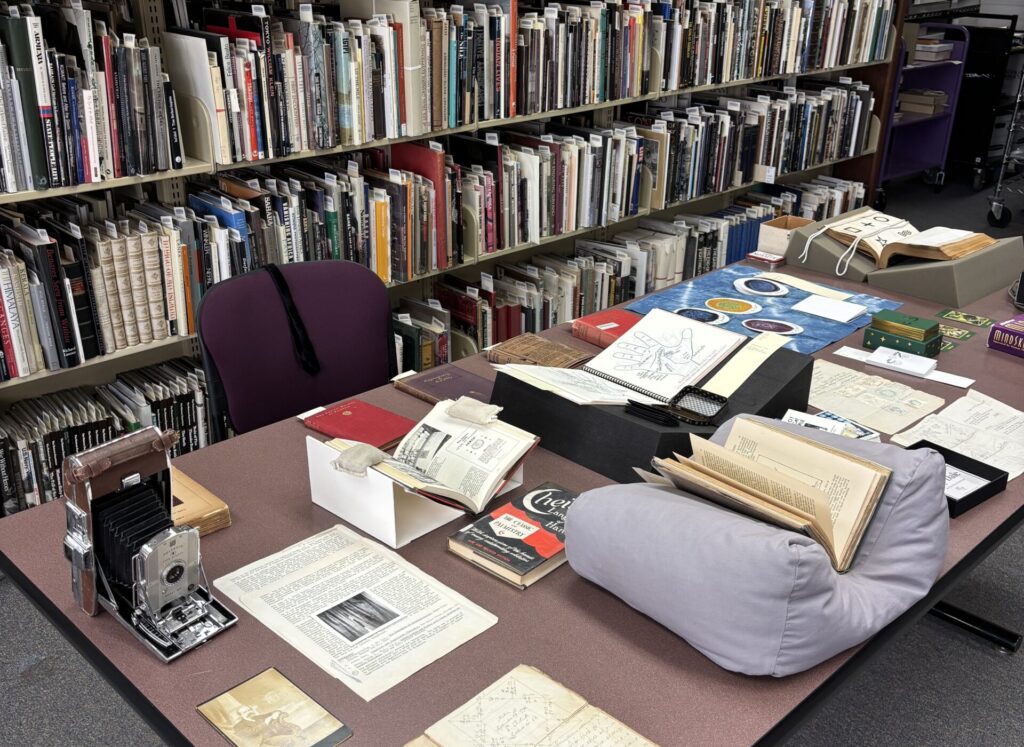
{"x": 1007, "y": 340}
{"x": 44, "y": 100}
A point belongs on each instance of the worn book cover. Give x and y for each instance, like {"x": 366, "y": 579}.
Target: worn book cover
{"x": 445, "y": 382}
{"x": 604, "y": 327}
{"x": 355, "y": 420}
{"x": 521, "y": 541}
{"x": 533, "y": 350}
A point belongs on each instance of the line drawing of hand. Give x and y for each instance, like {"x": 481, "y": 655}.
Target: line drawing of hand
{"x": 672, "y": 356}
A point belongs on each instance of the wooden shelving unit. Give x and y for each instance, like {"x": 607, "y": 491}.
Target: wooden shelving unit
{"x": 170, "y": 187}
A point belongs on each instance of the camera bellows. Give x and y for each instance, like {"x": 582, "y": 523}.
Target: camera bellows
{"x": 125, "y": 523}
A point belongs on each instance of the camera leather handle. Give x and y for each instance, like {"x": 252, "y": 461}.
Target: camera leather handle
{"x": 137, "y": 446}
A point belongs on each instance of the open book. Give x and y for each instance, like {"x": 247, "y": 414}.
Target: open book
{"x": 883, "y": 236}
{"x": 662, "y": 353}
{"x": 454, "y": 461}
{"x": 785, "y": 479}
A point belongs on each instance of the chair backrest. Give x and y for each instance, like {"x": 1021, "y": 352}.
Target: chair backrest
{"x": 254, "y": 374}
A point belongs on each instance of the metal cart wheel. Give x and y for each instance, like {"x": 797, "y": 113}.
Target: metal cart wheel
{"x": 881, "y": 199}
{"x": 998, "y": 215}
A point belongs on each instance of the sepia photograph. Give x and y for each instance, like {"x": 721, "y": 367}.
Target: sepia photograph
{"x": 270, "y": 711}
{"x": 357, "y": 616}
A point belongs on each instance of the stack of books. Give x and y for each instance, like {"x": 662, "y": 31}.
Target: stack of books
{"x": 81, "y": 104}
{"x": 921, "y": 101}
{"x": 891, "y": 329}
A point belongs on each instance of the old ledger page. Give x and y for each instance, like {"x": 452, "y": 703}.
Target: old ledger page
{"x": 526, "y": 708}
{"x": 873, "y": 401}
{"x": 358, "y": 610}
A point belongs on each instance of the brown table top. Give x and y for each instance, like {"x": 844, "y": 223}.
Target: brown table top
{"x": 579, "y": 634}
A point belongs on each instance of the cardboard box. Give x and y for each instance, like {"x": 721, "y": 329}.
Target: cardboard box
{"x": 1008, "y": 336}
{"x": 775, "y": 234}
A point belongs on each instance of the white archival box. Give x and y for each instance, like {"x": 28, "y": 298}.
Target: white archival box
{"x": 377, "y": 504}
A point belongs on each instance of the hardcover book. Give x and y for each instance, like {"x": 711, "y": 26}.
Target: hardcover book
{"x": 521, "y": 541}
{"x": 1008, "y": 336}
{"x": 532, "y": 350}
{"x": 604, "y": 327}
{"x": 445, "y": 382}
{"x": 356, "y": 420}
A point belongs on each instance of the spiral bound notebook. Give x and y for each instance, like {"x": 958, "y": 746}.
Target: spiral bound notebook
{"x": 663, "y": 353}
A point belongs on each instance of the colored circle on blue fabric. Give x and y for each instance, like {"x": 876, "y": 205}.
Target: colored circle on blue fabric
{"x": 772, "y": 325}
{"x": 760, "y": 287}
{"x": 703, "y": 315}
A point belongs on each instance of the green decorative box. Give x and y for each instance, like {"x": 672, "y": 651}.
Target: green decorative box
{"x": 874, "y": 338}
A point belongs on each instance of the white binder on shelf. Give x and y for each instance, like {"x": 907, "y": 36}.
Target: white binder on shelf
{"x": 375, "y": 503}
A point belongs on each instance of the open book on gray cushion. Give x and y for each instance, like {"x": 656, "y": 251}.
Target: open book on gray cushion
{"x": 750, "y": 596}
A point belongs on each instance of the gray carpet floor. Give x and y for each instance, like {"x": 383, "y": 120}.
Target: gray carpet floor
{"x": 932, "y": 685}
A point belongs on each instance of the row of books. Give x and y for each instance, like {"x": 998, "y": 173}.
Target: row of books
{"x": 286, "y": 80}
{"x": 463, "y": 317}
{"x": 36, "y": 434}
{"x": 80, "y": 103}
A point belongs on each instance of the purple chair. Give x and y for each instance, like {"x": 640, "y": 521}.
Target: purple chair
{"x": 282, "y": 340}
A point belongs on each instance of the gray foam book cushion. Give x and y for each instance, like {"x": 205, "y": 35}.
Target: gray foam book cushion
{"x": 750, "y": 596}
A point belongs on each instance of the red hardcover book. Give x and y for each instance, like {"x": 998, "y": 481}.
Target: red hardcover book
{"x": 356, "y": 420}
{"x": 108, "y": 74}
{"x": 250, "y": 103}
{"x": 400, "y": 43}
{"x": 8, "y": 346}
{"x": 604, "y": 327}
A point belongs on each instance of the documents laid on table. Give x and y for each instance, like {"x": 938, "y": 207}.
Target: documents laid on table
{"x": 873, "y": 401}
{"x": 976, "y": 426}
{"x": 574, "y": 384}
{"x": 527, "y": 708}
{"x": 359, "y": 611}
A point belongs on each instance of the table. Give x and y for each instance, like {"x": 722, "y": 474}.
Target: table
{"x": 579, "y": 634}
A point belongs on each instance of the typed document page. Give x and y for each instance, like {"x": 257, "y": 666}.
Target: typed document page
{"x": 358, "y": 610}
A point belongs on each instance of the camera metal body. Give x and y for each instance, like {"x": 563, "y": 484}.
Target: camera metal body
{"x": 126, "y": 556}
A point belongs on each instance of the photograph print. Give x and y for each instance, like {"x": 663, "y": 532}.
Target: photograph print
{"x": 357, "y": 616}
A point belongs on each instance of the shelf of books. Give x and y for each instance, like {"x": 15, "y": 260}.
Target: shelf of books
{"x": 518, "y": 139}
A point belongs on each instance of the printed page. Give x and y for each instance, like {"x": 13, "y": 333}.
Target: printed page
{"x": 470, "y": 459}
{"x": 663, "y": 353}
{"x": 847, "y": 482}
{"x": 873, "y": 401}
{"x": 360, "y": 612}
{"x": 685, "y": 475}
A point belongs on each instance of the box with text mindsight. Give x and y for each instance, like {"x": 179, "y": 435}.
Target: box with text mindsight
{"x": 608, "y": 440}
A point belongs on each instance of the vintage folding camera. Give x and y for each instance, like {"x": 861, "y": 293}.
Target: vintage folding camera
{"x": 127, "y": 557}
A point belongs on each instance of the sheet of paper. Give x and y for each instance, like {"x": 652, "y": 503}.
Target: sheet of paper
{"x": 830, "y": 308}
{"x": 739, "y": 368}
{"x": 873, "y": 401}
{"x": 960, "y": 484}
{"x": 574, "y": 384}
{"x": 527, "y": 708}
{"x": 805, "y": 285}
{"x": 663, "y": 353}
{"x": 813, "y": 421}
{"x": 977, "y": 426}
{"x": 359, "y": 611}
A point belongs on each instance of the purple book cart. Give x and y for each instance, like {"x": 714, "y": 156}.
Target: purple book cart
{"x": 919, "y": 143}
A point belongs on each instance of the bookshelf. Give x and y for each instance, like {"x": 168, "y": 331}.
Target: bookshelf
{"x": 170, "y": 186}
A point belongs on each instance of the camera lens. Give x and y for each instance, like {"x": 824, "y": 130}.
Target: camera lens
{"x": 173, "y": 574}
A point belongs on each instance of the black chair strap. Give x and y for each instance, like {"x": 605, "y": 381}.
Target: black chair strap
{"x": 301, "y": 343}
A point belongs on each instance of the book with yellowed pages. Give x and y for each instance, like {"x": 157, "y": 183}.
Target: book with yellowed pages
{"x": 527, "y": 708}
{"x": 882, "y": 237}
{"x": 785, "y": 479}
{"x": 533, "y": 350}
{"x": 196, "y": 506}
